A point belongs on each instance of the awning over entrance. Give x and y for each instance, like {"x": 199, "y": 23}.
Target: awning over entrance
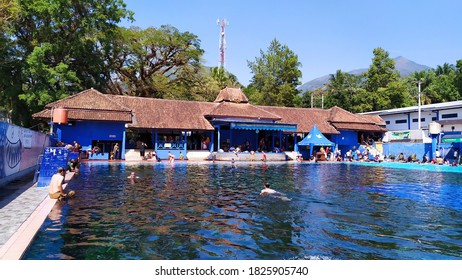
{"x": 265, "y": 126}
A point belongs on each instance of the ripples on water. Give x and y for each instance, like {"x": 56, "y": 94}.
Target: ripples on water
{"x": 214, "y": 211}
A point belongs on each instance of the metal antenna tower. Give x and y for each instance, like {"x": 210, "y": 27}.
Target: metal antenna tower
{"x": 222, "y": 41}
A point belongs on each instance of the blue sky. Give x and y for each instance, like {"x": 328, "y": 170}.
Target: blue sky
{"x": 326, "y": 35}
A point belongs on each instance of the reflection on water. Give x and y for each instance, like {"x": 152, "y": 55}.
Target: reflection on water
{"x": 214, "y": 211}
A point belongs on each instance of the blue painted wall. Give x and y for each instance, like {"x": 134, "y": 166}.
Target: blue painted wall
{"x": 19, "y": 151}
{"x": 346, "y": 140}
{"x": 408, "y": 149}
{"x": 84, "y": 132}
{"x": 240, "y": 137}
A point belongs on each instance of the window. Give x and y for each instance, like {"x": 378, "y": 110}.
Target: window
{"x": 421, "y": 119}
{"x": 433, "y": 118}
{"x": 401, "y": 121}
{"x": 449, "y": 116}
{"x": 387, "y": 122}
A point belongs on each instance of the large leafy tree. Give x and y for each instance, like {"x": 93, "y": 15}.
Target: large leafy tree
{"x": 8, "y": 13}
{"x": 59, "y": 48}
{"x": 342, "y": 89}
{"x": 443, "y": 88}
{"x": 381, "y": 81}
{"x": 458, "y": 78}
{"x": 437, "y": 85}
{"x": 381, "y": 72}
{"x": 276, "y": 76}
{"x": 154, "y": 61}
{"x": 8, "y": 95}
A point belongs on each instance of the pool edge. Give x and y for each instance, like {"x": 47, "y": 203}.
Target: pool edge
{"x": 18, "y": 243}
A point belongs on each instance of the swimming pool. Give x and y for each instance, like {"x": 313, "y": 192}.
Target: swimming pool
{"x": 213, "y": 211}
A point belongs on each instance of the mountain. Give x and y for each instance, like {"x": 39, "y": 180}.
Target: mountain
{"x": 402, "y": 64}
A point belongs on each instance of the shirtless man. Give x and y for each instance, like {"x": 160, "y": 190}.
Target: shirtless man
{"x": 133, "y": 178}
{"x": 171, "y": 157}
{"x": 267, "y": 190}
{"x": 56, "y": 185}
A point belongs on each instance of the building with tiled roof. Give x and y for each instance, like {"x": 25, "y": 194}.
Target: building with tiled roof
{"x": 96, "y": 119}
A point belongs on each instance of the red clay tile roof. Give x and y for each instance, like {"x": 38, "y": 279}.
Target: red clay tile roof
{"x": 150, "y": 113}
{"x": 87, "y": 115}
{"x": 305, "y": 118}
{"x": 89, "y": 105}
{"x": 338, "y": 114}
{"x": 359, "y": 127}
{"x": 153, "y": 113}
{"x": 240, "y": 110}
{"x": 232, "y": 95}
{"x": 344, "y": 120}
{"x": 89, "y": 99}
{"x": 376, "y": 119}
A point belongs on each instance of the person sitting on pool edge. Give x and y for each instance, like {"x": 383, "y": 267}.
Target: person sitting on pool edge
{"x": 56, "y": 186}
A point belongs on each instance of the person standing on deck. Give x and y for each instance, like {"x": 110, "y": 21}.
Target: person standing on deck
{"x": 115, "y": 151}
{"x": 456, "y": 156}
{"x": 142, "y": 150}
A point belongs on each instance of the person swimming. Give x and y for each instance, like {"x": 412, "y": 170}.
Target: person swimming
{"x": 269, "y": 192}
{"x": 133, "y": 178}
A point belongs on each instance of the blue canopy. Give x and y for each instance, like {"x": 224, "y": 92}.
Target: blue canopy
{"x": 315, "y": 138}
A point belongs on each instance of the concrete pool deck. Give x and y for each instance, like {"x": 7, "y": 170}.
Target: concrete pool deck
{"x": 21, "y": 215}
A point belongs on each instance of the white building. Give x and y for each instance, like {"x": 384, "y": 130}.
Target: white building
{"x": 448, "y": 114}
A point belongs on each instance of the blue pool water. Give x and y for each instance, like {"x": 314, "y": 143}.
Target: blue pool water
{"x": 214, "y": 211}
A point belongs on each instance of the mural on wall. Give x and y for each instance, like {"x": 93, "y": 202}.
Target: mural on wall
{"x": 19, "y": 148}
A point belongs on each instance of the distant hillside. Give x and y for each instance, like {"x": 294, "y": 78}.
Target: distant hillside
{"x": 402, "y": 64}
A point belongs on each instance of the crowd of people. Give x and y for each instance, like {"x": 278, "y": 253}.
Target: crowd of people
{"x": 357, "y": 155}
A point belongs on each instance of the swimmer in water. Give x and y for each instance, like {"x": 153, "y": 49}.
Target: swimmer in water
{"x": 133, "y": 178}
{"x": 267, "y": 191}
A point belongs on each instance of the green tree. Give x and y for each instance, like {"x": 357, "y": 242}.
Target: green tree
{"x": 8, "y": 13}
{"x": 276, "y": 76}
{"x": 443, "y": 88}
{"x": 341, "y": 90}
{"x": 382, "y": 80}
{"x": 444, "y": 69}
{"x": 458, "y": 79}
{"x": 150, "y": 62}
{"x": 197, "y": 86}
{"x": 8, "y": 94}
{"x": 304, "y": 100}
{"x": 381, "y": 72}
{"x": 425, "y": 77}
{"x": 60, "y": 47}
{"x": 224, "y": 78}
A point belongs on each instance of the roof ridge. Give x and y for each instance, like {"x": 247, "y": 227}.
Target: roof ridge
{"x": 72, "y": 96}
{"x": 269, "y": 115}
{"x": 92, "y": 91}
{"x": 162, "y": 99}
